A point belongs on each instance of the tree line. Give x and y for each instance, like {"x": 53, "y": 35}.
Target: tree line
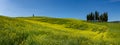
{"x": 96, "y": 17}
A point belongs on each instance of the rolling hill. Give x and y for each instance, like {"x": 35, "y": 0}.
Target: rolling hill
{"x": 114, "y": 21}
{"x": 53, "y": 31}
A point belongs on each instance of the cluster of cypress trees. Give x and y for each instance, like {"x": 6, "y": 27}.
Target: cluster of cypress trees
{"x": 96, "y": 17}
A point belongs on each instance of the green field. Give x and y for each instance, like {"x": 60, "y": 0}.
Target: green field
{"x": 114, "y": 31}
{"x": 56, "y": 31}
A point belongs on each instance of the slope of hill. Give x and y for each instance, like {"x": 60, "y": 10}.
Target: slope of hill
{"x": 114, "y": 30}
{"x": 114, "y": 21}
{"x": 51, "y": 31}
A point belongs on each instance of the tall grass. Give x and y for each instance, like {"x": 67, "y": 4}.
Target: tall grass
{"x": 113, "y": 32}
{"x": 35, "y": 31}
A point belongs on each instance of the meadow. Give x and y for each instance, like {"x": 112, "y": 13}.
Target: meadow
{"x": 56, "y": 31}
{"x": 113, "y": 32}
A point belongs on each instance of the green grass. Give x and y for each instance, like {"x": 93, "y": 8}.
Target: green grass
{"x": 114, "y": 31}
{"x": 54, "y": 31}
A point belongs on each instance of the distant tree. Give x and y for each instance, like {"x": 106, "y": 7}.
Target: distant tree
{"x": 101, "y": 18}
{"x": 88, "y": 18}
{"x": 92, "y": 16}
{"x": 96, "y": 15}
{"x": 33, "y": 15}
{"x": 105, "y": 16}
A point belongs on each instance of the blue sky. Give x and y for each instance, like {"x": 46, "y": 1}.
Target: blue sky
{"x": 60, "y": 8}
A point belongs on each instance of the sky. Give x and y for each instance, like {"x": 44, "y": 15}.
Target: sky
{"x": 60, "y": 8}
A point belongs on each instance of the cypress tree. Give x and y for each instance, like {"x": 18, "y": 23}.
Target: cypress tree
{"x": 33, "y": 15}
{"x": 96, "y": 15}
{"x": 88, "y": 17}
{"x": 101, "y": 18}
{"x": 105, "y": 16}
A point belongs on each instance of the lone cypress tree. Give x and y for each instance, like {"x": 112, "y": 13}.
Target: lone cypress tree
{"x": 33, "y": 15}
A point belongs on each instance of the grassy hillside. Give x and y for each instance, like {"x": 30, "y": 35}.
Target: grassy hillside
{"x": 114, "y": 30}
{"x": 52, "y": 31}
